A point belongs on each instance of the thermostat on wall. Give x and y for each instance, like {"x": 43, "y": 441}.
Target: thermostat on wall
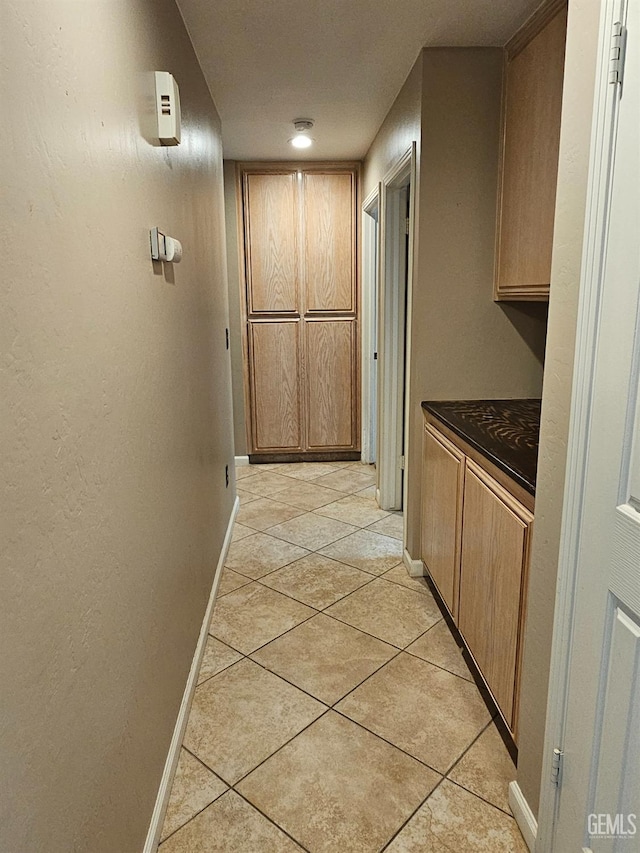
{"x": 167, "y": 108}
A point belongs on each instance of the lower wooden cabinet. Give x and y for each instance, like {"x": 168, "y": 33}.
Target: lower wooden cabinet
{"x": 443, "y": 476}
{"x": 495, "y": 544}
{"x": 475, "y": 547}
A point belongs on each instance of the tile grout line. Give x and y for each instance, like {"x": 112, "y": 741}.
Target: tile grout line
{"x": 271, "y": 820}
{"x": 398, "y": 652}
{"x": 199, "y": 812}
{"x": 413, "y": 814}
{"x": 385, "y": 740}
{"x": 196, "y": 814}
{"x": 281, "y": 747}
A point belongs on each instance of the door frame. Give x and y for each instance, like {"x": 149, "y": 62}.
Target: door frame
{"x": 368, "y": 306}
{"x": 606, "y": 99}
{"x": 394, "y": 332}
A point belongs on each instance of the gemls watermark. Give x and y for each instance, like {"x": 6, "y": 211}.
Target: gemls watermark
{"x": 611, "y": 825}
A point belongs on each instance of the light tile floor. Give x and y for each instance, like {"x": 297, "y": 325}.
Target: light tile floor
{"x": 334, "y": 711}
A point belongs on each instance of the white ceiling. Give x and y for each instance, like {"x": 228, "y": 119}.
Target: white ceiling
{"x": 339, "y": 62}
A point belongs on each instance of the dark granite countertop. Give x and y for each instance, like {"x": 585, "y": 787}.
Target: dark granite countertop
{"x": 504, "y": 431}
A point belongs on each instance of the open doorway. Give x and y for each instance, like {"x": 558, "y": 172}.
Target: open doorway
{"x": 394, "y": 285}
{"x": 369, "y": 367}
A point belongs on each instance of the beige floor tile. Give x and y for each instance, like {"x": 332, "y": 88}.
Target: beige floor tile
{"x": 363, "y": 467}
{"x": 260, "y": 554}
{"x": 266, "y": 484}
{"x": 217, "y": 656}
{"x": 241, "y": 532}
{"x": 194, "y": 788}
{"x": 246, "y": 497}
{"x": 325, "y": 657}
{"x": 316, "y": 580}
{"x": 241, "y": 716}
{"x": 244, "y": 471}
{"x": 336, "y": 787}
{"x": 438, "y": 646}
{"x": 487, "y": 769}
{"x": 265, "y": 513}
{"x": 388, "y": 611}
{"x": 400, "y": 575}
{"x": 369, "y": 492}
{"x": 454, "y": 820}
{"x": 389, "y": 526}
{"x": 311, "y": 531}
{"x": 428, "y": 712}
{"x": 230, "y": 825}
{"x": 308, "y": 496}
{"x": 231, "y": 580}
{"x": 368, "y": 551}
{"x": 249, "y": 617}
{"x": 347, "y": 480}
{"x": 354, "y": 509}
{"x": 307, "y": 470}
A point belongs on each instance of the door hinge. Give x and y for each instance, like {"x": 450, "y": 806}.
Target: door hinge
{"x": 617, "y": 53}
{"x": 402, "y": 462}
{"x": 556, "y": 766}
{"x": 375, "y": 356}
{"x": 406, "y": 225}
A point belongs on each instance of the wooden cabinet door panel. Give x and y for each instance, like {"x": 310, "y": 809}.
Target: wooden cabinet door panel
{"x": 532, "y": 108}
{"x": 330, "y": 383}
{"x": 329, "y": 242}
{"x": 494, "y": 548}
{"x": 271, "y": 227}
{"x": 275, "y": 386}
{"x": 443, "y": 482}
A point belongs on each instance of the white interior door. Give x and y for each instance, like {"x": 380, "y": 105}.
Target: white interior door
{"x": 395, "y": 274}
{"x": 596, "y": 806}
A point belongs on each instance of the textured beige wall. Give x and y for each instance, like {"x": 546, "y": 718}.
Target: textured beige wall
{"x": 398, "y": 131}
{"x": 116, "y": 415}
{"x": 235, "y": 314}
{"x": 565, "y": 275}
{"x": 463, "y": 345}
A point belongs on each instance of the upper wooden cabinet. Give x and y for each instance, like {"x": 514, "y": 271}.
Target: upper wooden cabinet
{"x": 532, "y": 105}
{"x": 271, "y": 223}
{"x": 329, "y": 242}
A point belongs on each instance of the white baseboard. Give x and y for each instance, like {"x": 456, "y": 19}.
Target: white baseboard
{"x": 157, "y": 818}
{"x": 523, "y": 815}
{"x": 241, "y": 461}
{"x": 414, "y": 567}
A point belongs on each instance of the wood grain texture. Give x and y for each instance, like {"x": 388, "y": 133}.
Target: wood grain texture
{"x": 529, "y": 163}
{"x": 330, "y": 385}
{"x": 520, "y": 494}
{"x": 275, "y": 385}
{"x": 329, "y": 228}
{"x": 493, "y": 556}
{"x": 271, "y": 226}
{"x": 443, "y": 482}
{"x": 298, "y": 225}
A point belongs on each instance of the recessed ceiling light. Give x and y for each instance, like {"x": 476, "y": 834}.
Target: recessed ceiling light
{"x": 301, "y": 141}
{"x": 302, "y": 138}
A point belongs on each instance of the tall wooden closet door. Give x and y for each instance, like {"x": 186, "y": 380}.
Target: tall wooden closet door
{"x": 299, "y": 231}
{"x": 330, "y": 310}
{"x": 273, "y": 311}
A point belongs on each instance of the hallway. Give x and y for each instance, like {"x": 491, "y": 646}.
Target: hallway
{"x": 334, "y": 711}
